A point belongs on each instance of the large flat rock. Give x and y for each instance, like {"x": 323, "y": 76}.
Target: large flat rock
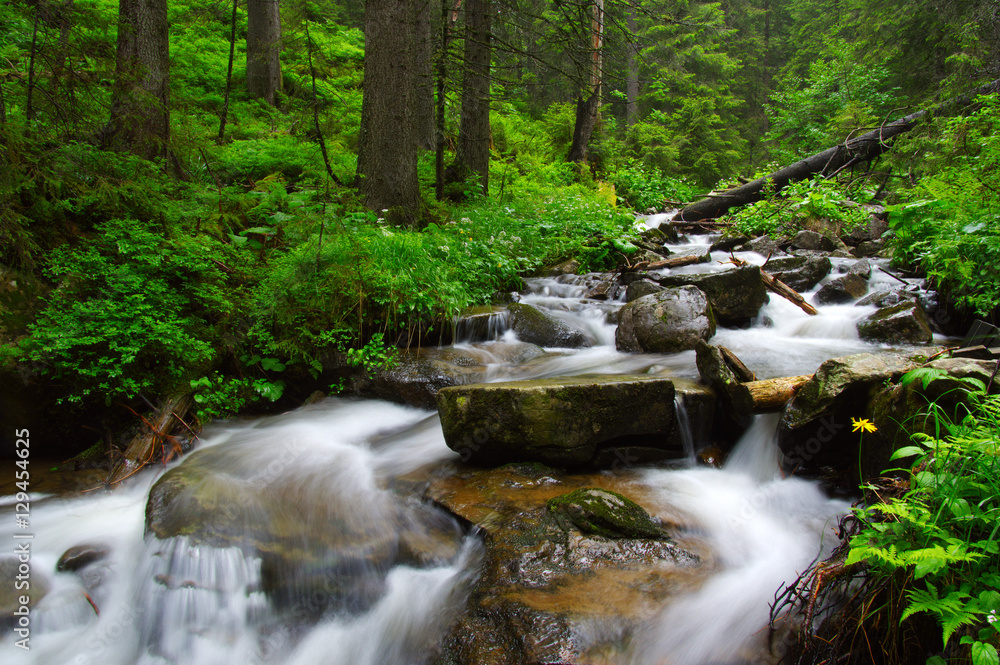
{"x": 560, "y": 421}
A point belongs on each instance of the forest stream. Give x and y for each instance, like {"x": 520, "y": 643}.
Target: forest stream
{"x": 325, "y": 549}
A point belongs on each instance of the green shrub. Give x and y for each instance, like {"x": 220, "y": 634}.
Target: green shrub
{"x": 132, "y": 312}
{"x": 949, "y": 224}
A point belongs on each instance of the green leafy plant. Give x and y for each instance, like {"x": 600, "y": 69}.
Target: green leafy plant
{"x": 941, "y": 536}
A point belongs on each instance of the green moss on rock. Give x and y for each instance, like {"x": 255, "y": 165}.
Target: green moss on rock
{"x": 605, "y": 513}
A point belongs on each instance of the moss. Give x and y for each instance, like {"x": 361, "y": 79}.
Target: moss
{"x": 605, "y": 513}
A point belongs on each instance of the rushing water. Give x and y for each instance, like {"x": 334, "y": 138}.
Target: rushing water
{"x": 173, "y": 601}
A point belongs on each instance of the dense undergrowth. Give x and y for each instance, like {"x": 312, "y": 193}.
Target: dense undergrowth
{"x": 917, "y": 577}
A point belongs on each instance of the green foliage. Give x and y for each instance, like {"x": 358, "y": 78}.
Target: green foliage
{"x": 644, "y": 189}
{"x": 949, "y": 224}
{"x": 133, "y": 309}
{"x": 839, "y": 97}
{"x": 819, "y": 204}
{"x": 943, "y": 531}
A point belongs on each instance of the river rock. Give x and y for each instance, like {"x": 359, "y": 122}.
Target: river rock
{"x": 536, "y": 326}
{"x": 905, "y": 323}
{"x": 842, "y": 290}
{"x": 561, "y": 421}
{"x": 887, "y": 298}
{"x": 640, "y": 288}
{"x": 729, "y": 243}
{"x": 417, "y": 375}
{"x": 862, "y": 268}
{"x": 601, "y": 512}
{"x": 81, "y": 556}
{"x": 543, "y": 583}
{"x": 735, "y": 295}
{"x": 802, "y": 273}
{"x": 666, "y": 322}
{"x": 816, "y": 428}
{"x": 481, "y": 324}
{"x": 714, "y": 371}
{"x": 766, "y": 246}
{"x": 868, "y": 248}
{"x": 806, "y": 239}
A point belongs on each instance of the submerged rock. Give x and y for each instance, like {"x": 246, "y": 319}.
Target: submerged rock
{"x": 666, "y": 322}
{"x": 904, "y": 323}
{"x": 560, "y": 421}
{"x": 536, "y": 326}
{"x": 543, "y": 584}
{"x": 735, "y": 295}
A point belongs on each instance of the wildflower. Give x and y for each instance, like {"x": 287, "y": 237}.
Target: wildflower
{"x": 992, "y": 616}
{"x": 863, "y": 424}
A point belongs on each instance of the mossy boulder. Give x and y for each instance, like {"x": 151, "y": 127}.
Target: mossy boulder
{"x": 903, "y": 323}
{"x": 536, "y": 326}
{"x": 416, "y": 376}
{"x": 816, "y": 430}
{"x": 561, "y": 421}
{"x": 601, "y": 512}
{"x": 736, "y": 295}
{"x": 666, "y": 322}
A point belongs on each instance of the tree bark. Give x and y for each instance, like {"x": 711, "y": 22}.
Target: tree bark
{"x": 424, "y": 57}
{"x": 224, "y": 115}
{"x": 142, "y": 450}
{"x": 772, "y": 394}
{"x": 587, "y": 111}
{"x": 263, "y": 49}
{"x": 828, "y": 162}
{"x": 140, "y": 107}
{"x": 387, "y": 150}
{"x": 474, "y": 132}
{"x": 449, "y": 16}
{"x": 632, "y": 77}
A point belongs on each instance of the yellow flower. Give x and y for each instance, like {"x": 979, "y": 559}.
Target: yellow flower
{"x": 863, "y": 424}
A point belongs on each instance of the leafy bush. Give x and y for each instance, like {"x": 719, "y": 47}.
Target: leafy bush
{"x": 950, "y": 222}
{"x": 643, "y": 188}
{"x": 132, "y": 311}
{"x": 819, "y": 202}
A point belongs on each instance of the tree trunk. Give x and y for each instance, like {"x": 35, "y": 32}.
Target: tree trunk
{"x": 424, "y": 57}
{"x": 474, "y": 132}
{"x": 831, "y": 161}
{"x": 772, "y": 394}
{"x": 448, "y": 19}
{"x": 140, "y": 108}
{"x": 587, "y": 111}
{"x": 224, "y": 115}
{"x": 632, "y": 78}
{"x": 387, "y": 150}
{"x": 263, "y": 49}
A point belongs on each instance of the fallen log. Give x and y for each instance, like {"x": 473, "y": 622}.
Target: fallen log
{"x": 778, "y": 287}
{"x": 143, "y": 448}
{"x": 851, "y": 151}
{"x": 672, "y": 262}
{"x": 770, "y": 394}
{"x": 775, "y": 285}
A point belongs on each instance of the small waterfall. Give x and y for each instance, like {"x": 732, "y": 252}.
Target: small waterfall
{"x": 684, "y": 427}
{"x": 485, "y": 325}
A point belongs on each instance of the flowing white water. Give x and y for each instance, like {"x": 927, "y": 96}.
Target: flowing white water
{"x": 763, "y": 529}
{"x": 324, "y": 469}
